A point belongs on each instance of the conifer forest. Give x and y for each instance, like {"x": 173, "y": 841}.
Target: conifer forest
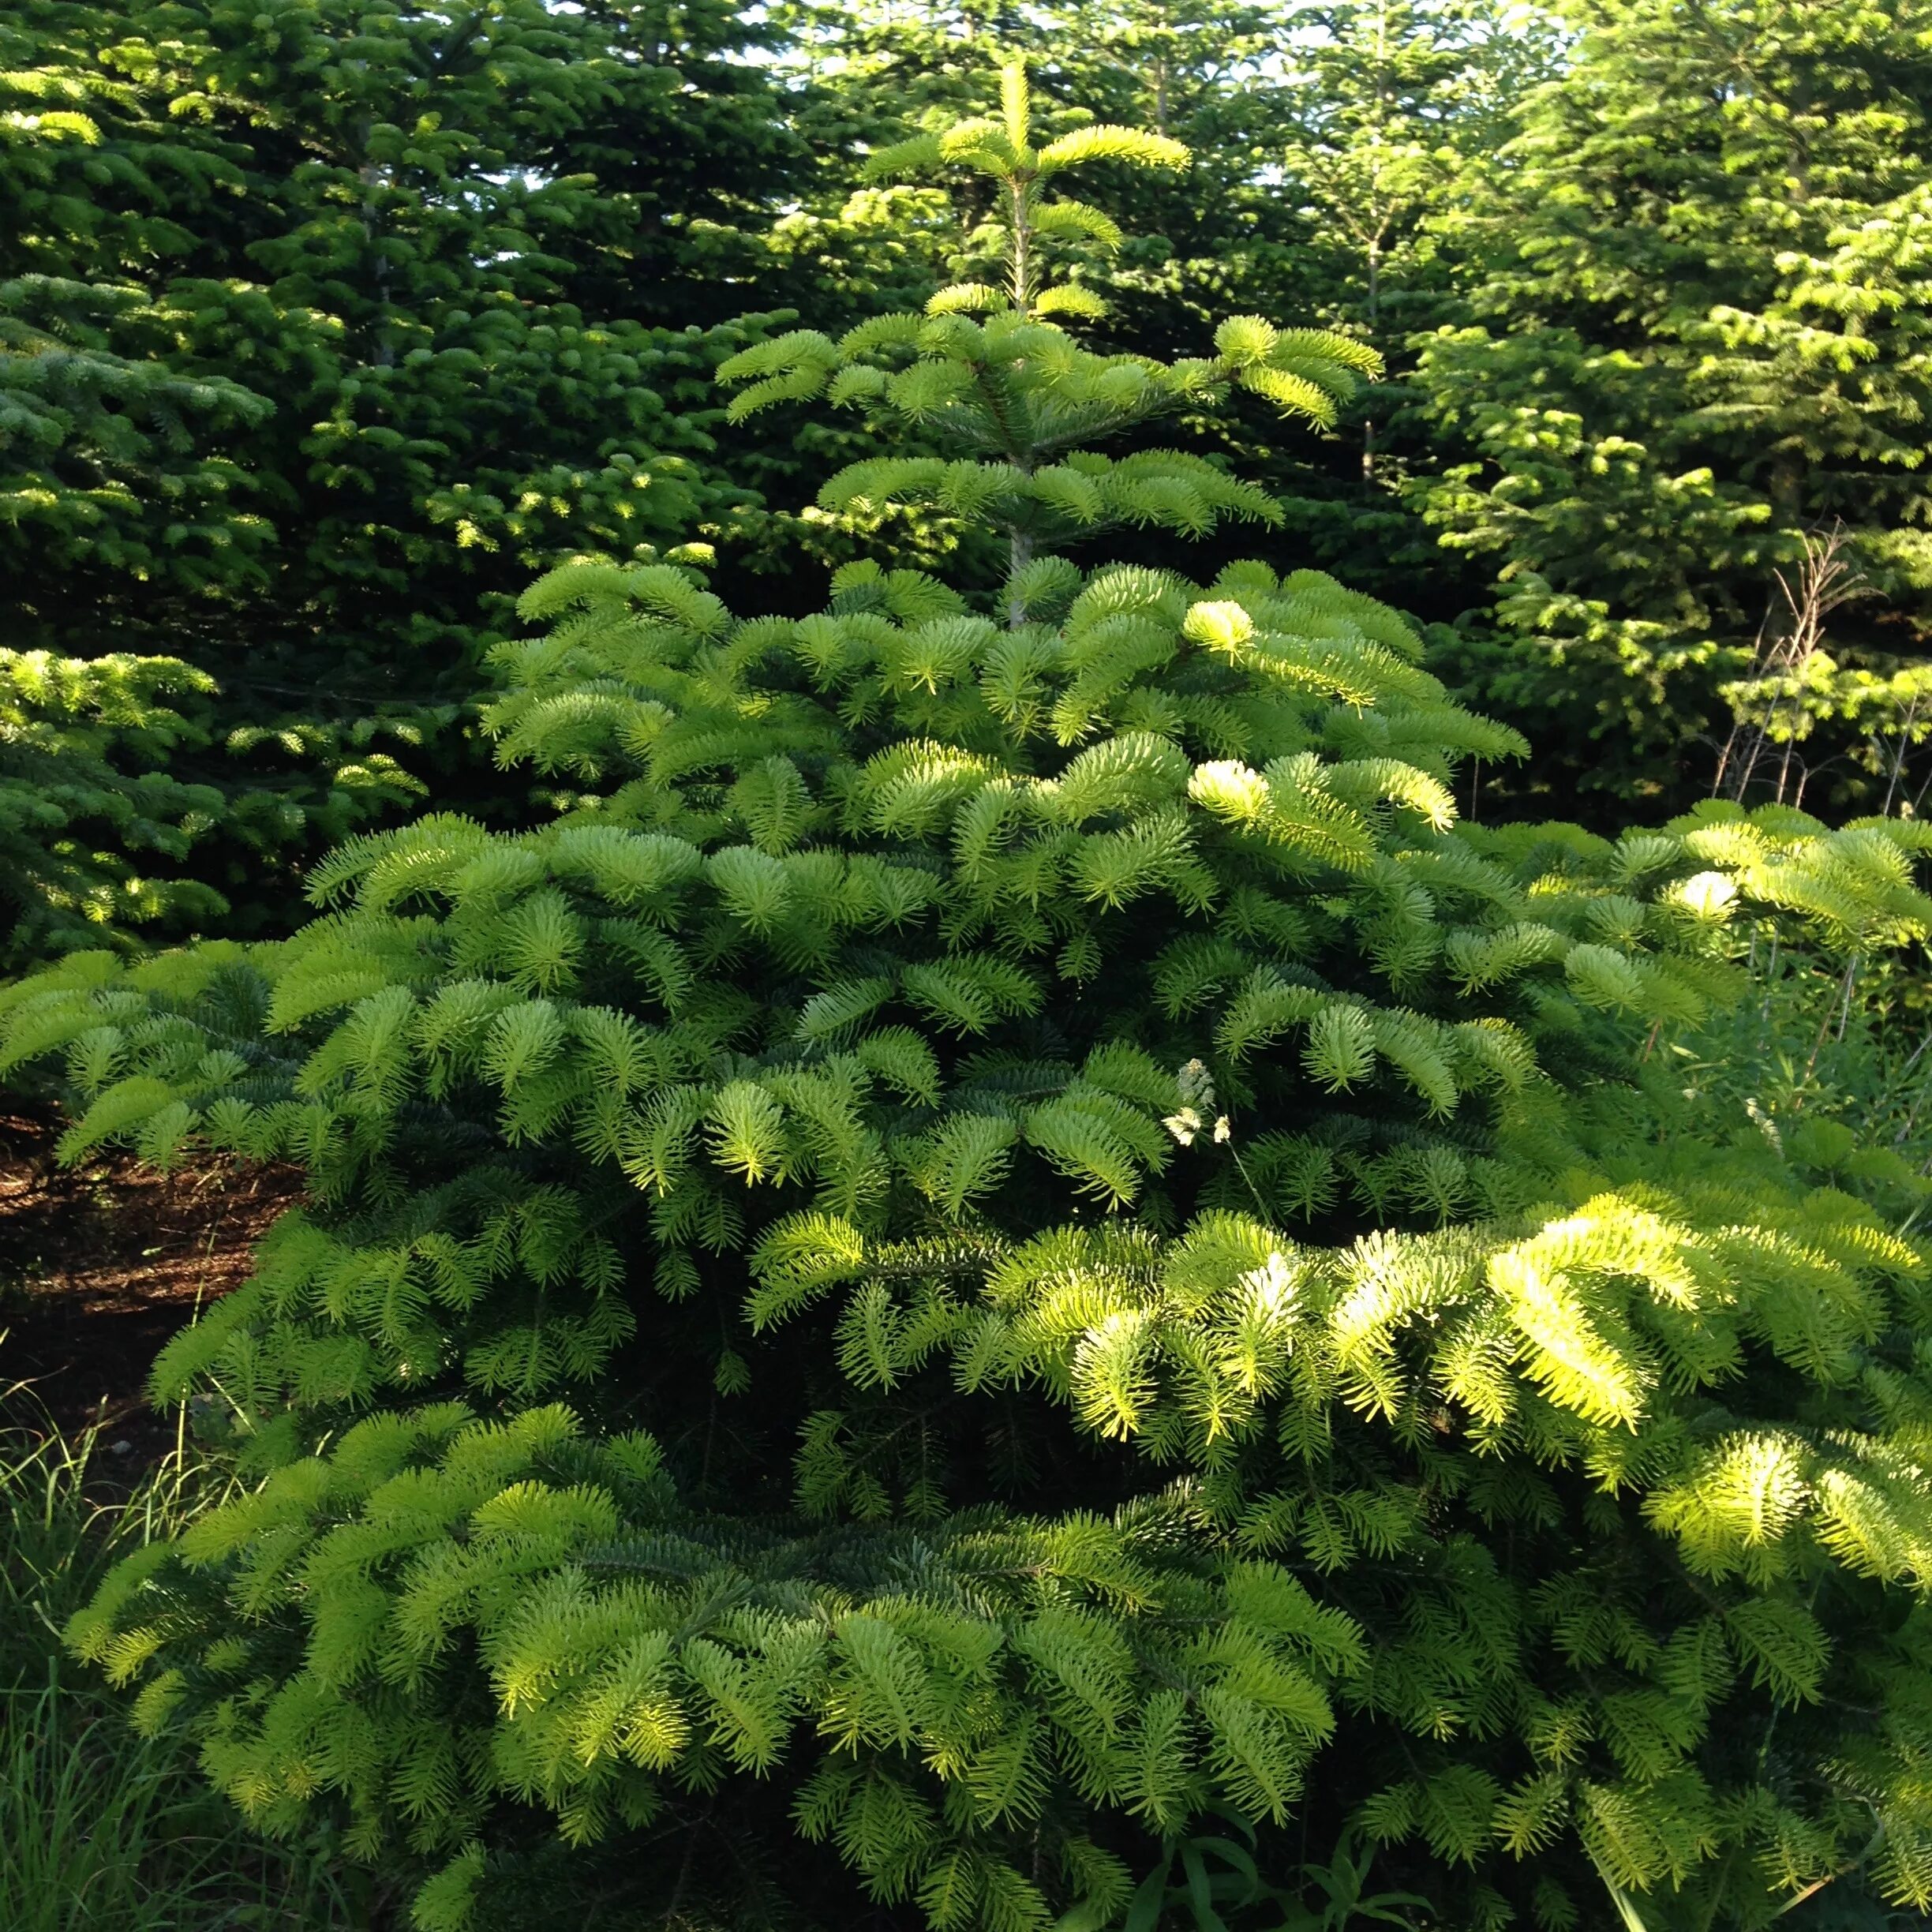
{"x": 1036, "y": 895}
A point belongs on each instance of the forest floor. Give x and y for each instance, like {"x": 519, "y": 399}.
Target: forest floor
{"x": 100, "y": 1265}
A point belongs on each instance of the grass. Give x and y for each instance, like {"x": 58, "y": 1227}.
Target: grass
{"x": 102, "y": 1830}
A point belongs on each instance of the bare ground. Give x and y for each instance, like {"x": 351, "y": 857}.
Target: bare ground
{"x": 101, "y": 1264}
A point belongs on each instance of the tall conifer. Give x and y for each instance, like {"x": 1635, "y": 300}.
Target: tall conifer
{"x": 1702, "y": 341}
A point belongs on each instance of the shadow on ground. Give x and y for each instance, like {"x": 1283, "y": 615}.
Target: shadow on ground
{"x": 101, "y": 1264}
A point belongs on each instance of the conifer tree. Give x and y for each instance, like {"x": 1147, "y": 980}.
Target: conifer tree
{"x": 92, "y": 820}
{"x": 1701, "y": 341}
{"x": 113, "y": 471}
{"x": 1006, "y": 1234}
{"x": 1325, "y": 139}
{"x": 1396, "y": 107}
{"x": 325, "y": 326}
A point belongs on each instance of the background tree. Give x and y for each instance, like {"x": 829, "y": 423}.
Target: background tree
{"x": 116, "y": 484}
{"x": 1393, "y": 112}
{"x": 319, "y": 313}
{"x": 1704, "y": 317}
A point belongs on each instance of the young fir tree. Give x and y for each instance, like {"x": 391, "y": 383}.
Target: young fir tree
{"x": 302, "y": 306}
{"x": 1703, "y": 325}
{"x": 1005, "y": 1235}
{"x": 1324, "y": 139}
{"x": 1208, "y": 236}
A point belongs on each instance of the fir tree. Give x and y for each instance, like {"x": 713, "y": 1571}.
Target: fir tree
{"x": 1006, "y": 1234}
{"x": 1396, "y": 108}
{"x": 92, "y": 824}
{"x": 314, "y": 313}
{"x": 113, "y": 468}
{"x": 1702, "y": 341}
{"x": 1196, "y": 71}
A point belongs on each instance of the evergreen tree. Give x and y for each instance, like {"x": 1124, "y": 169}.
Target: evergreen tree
{"x": 1704, "y": 319}
{"x": 1324, "y": 139}
{"x": 114, "y": 472}
{"x": 305, "y": 315}
{"x": 1395, "y": 109}
{"x": 869, "y": 243}
{"x": 1006, "y": 1234}
{"x": 89, "y": 809}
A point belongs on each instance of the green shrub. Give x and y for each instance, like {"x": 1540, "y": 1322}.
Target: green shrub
{"x": 1005, "y": 1235}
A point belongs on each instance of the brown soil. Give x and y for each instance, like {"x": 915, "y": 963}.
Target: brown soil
{"x": 101, "y": 1264}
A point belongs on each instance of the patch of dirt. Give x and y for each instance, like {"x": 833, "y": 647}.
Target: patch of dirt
{"x": 100, "y": 1264}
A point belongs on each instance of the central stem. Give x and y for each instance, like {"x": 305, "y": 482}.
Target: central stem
{"x": 1022, "y": 250}
{"x": 1018, "y": 555}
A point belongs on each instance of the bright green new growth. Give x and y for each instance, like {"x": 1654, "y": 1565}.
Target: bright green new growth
{"x": 1013, "y": 920}
{"x": 1005, "y": 1234}
{"x": 1017, "y": 392}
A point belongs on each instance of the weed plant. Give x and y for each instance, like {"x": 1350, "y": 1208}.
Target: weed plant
{"x": 100, "y": 1830}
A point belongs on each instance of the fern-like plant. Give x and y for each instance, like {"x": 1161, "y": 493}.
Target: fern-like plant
{"x": 1007, "y": 1236}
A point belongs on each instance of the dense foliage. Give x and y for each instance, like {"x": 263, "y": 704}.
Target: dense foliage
{"x": 1000, "y": 1234}
{"x": 1006, "y": 1246}
{"x": 1700, "y": 335}
{"x": 322, "y": 326}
